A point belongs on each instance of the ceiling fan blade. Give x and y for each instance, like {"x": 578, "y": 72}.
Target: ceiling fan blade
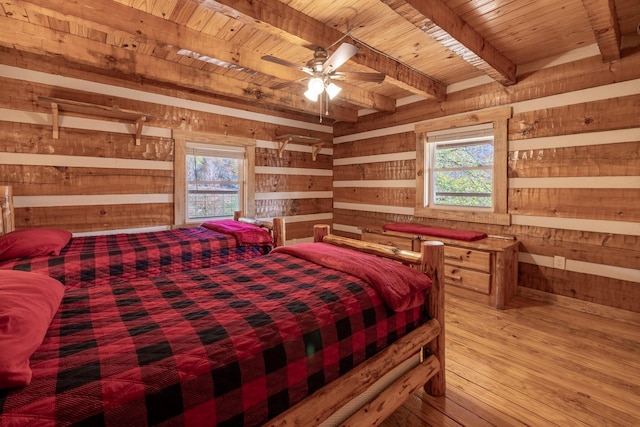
{"x": 286, "y": 84}
{"x": 363, "y": 77}
{"x": 339, "y": 57}
{"x": 286, "y": 63}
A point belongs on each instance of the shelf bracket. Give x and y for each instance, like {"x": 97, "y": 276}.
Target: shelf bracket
{"x": 139, "y": 124}
{"x": 54, "y": 120}
{"x": 281, "y": 145}
{"x": 315, "y": 150}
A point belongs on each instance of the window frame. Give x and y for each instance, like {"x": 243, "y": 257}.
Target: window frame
{"x": 498, "y": 214}
{"x": 181, "y": 138}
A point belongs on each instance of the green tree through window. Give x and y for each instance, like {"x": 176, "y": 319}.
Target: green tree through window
{"x": 462, "y": 173}
{"x": 213, "y": 184}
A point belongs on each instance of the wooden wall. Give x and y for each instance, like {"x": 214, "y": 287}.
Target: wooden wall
{"x": 573, "y": 174}
{"x": 95, "y": 179}
{"x": 574, "y": 164}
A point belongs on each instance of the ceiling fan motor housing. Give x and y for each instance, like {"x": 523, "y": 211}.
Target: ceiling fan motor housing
{"x": 320, "y": 56}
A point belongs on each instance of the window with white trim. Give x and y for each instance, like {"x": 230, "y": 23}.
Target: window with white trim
{"x": 212, "y": 174}
{"x": 214, "y": 181}
{"x": 460, "y": 168}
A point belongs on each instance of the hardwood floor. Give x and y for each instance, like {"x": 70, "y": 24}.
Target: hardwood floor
{"x": 537, "y": 363}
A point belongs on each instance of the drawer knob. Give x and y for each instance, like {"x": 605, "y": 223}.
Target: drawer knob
{"x": 458, "y": 278}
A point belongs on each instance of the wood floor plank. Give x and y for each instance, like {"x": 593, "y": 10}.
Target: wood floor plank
{"x": 538, "y": 363}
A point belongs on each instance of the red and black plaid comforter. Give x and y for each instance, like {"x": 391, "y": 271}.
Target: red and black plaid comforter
{"x": 231, "y": 345}
{"x": 99, "y": 260}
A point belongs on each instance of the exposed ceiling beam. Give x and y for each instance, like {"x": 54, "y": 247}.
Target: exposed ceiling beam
{"x": 604, "y": 22}
{"x": 22, "y": 35}
{"x": 146, "y": 28}
{"x": 438, "y": 21}
{"x": 296, "y": 27}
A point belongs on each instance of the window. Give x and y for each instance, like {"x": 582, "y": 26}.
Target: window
{"x": 214, "y": 181}
{"x": 213, "y": 176}
{"x": 461, "y": 169}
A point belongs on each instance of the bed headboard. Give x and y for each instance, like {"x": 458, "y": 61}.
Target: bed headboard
{"x": 275, "y": 228}
{"x": 6, "y": 209}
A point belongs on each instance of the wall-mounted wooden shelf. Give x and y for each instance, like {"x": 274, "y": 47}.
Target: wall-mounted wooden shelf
{"x": 59, "y": 106}
{"x": 316, "y": 143}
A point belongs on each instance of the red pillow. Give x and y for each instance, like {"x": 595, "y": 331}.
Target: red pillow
{"x": 33, "y": 242}
{"x": 28, "y": 302}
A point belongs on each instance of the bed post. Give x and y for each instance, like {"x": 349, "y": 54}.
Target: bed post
{"x": 237, "y": 215}
{"x": 279, "y": 233}
{"x": 6, "y": 205}
{"x": 433, "y": 265}
{"x": 319, "y": 231}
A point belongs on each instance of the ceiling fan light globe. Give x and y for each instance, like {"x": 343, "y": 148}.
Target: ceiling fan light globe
{"x": 316, "y": 85}
{"x": 333, "y": 90}
{"x": 311, "y": 96}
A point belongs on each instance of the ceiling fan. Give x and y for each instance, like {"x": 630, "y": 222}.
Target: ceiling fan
{"x": 322, "y": 70}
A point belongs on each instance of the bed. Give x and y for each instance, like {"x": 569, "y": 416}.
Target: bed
{"x": 97, "y": 260}
{"x": 283, "y": 339}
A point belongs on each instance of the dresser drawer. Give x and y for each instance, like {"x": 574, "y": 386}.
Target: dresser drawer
{"x": 468, "y": 258}
{"x": 400, "y": 242}
{"x": 468, "y": 279}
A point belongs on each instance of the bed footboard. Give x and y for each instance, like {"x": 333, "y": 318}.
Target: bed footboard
{"x": 426, "y": 341}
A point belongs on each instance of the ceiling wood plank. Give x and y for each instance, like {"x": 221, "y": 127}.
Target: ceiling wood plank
{"x": 33, "y": 38}
{"x": 437, "y": 20}
{"x": 142, "y": 26}
{"x": 604, "y": 22}
{"x": 296, "y": 27}
{"x": 149, "y": 29}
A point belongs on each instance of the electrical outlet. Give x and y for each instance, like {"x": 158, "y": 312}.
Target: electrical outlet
{"x": 559, "y": 262}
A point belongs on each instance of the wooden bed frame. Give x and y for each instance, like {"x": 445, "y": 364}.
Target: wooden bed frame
{"x": 275, "y": 228}
{"x": 7, "y": 223}
{"x": 6, "y": 209}
{"x": 429, "y": 373}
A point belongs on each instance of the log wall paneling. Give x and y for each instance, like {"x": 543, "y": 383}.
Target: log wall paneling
{"x": 405, "y": 141}
{"x": 619, "y": 159}
{"x": 95, "y": 218}
{"x": 607, "y": 114}
{"x": 578, "y": 75}
{"x": 587, "y": 203}
{"x": 37, "y": 139}
{"x": 597, "y": 289}
{"x": 170, "y": 109}
{"x": 378, "y": 196}
{"x": 292, "y": 207}
{"x": 38, "y": 166}
{"x": 291, "y": 159}
{"x": 281, "y": 183}
{"x": 570, "y": 184}
{"x": 399, "y": 169}
{"x": 28, "y": 180}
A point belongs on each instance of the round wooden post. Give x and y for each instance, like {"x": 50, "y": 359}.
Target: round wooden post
{"x": 319, "y": 231}
{"x": 6, "y": 203}
{"x": 433, "y": 265}
{"x": 279, "y": 233}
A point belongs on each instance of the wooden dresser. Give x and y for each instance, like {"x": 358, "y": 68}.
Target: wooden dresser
{"x": 485, "y": 270}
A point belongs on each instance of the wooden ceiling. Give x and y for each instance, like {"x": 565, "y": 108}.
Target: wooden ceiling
{"x": 216, "y": 47}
